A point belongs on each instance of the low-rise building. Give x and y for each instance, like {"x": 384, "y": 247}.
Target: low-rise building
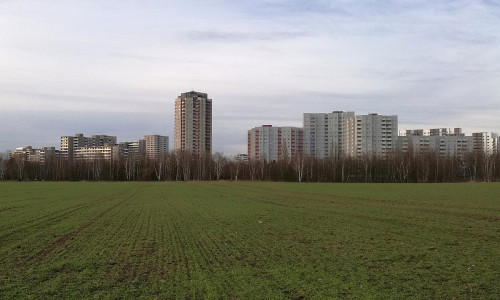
{"x": 136, "y": 150}
{"x": 30, "y": 154}
{"x": 69, "y": 144}
{"x": 104, "y": 153}
{"x": 241, "y": 157}
{"x": 444, "y": 141}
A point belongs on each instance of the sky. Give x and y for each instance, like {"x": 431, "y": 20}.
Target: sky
{"x": 116, "y": 67}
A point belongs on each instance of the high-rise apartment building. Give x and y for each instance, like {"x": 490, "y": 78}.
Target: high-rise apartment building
{"x": 273, "y": 143}
{"x": 193, "y": 123}
{"x": 156, "y": 145}
{"x": 327, "y": 134}
{"x": 376, "y": 134}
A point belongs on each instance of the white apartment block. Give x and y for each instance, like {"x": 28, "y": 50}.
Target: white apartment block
{"x": 155, "y": 145}
{"x": 444, "y": 145}
{"x": 449, "y": 142}
{"x": 326, "y": 134}
{"x": 455, "y": 145}
{"x": 376, "y": 134}
{"x": 273, "y": 143}
{"x": 193, "y": 123}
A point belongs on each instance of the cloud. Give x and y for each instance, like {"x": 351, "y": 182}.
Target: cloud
{"x": 286, "y": 8}
{"x": 224, "y": 36}
{"x": 33, "y": 101}
{"x": 116, "y": 68}
{"x": 135, "y": 56}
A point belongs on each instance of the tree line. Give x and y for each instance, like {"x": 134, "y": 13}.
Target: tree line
{"x": 184, "y": 166}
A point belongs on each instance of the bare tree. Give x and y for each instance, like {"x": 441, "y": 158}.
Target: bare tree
{"x": 206, "y": 166}
{"x": 252, "y": 168}
{"x": 158, "y": 167}
{"x": 96, "y": 167}
{"x": 475, "y": 159}
{"x": 198, "y": 161}
{"x": 436, "y": 166}
{"x": 344, "y": 174}
{"x": 20, "y": 162}
{"x": 178, "y": 165}
{"x": 423, "y": 163}
{"x": 367, "y": 164}
{"x": 130, "y": 164}
{"x": 171, "y": 166}
{"x": 235, "y": 167}
{"x": 397, "y": 166}
{"x": 488, "y": 167}
{"x": 299, "y": 165}
{"x": 219, "y": 163}
{"x": 262, "y": 167}
{"x": 186, "y": 159}
{"x": 3, "y": 167}
{"x": 161, "y": 166}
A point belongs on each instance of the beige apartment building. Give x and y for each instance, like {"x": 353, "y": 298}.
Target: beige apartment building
{"x": 155, "y": 145}
{"x": 193, "y": 123}
{"x": 274, "y": 143}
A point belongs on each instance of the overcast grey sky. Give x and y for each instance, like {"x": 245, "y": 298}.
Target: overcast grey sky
{"x": 115, "y": 67}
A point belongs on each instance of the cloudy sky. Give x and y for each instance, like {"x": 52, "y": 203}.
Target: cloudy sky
{"x": 115, "y": 67}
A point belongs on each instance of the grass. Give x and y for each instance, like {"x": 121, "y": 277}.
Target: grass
{"x": 249, "y": 240}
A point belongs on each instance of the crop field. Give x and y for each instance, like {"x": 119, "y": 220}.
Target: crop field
{"x": 249, "y": 240}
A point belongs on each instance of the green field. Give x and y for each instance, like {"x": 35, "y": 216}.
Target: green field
{"x": 249, "y": 240}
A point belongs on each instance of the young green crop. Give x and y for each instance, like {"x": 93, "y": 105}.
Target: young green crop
{"x": 249, "y": 240}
